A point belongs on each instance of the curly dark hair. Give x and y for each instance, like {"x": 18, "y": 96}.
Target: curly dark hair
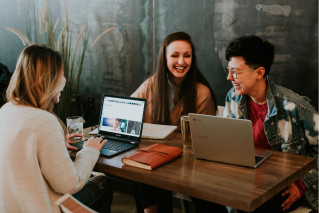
{"x": 255, "y": 51}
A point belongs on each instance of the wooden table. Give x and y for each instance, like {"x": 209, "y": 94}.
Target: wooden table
{"x": 235, "y": 186}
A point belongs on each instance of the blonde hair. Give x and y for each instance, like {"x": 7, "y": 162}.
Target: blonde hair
{"x": 37, "y": 78}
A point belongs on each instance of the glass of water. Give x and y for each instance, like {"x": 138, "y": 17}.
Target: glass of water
{"x": 75, "y": 125}
{"x": 186, "y": 132}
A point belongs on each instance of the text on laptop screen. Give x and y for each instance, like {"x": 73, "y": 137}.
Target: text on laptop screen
{"x": 122, "y": 116}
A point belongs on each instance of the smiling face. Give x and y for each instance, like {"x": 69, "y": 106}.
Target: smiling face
{"x": 245, "y": 83}
{"x": 179, "y": 60}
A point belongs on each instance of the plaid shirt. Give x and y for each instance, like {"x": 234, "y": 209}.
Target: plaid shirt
{"x": 291, "y": 125}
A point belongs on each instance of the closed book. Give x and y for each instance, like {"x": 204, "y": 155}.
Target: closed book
{"x": 153, "y": 156}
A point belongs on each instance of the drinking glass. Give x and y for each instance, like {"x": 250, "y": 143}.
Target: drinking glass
{"x": 186, "y": 132}
{"x": 75, "y": 125}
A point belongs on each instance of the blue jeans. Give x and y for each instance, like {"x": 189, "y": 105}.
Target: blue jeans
{"x": 96, "y": 194}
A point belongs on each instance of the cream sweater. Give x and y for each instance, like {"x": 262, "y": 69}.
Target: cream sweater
{"x": 35, "y": 167}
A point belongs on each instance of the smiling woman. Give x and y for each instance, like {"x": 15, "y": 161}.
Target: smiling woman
{"x": 179, "y": 60}
{"x": 177, "y": 87}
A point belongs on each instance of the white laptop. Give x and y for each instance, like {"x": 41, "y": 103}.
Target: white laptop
{"x": 224, "y": 140}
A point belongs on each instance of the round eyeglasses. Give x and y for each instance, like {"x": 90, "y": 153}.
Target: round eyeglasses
{"x": 234, "y": 73}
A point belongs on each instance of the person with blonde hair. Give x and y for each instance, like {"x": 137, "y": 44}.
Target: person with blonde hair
{"x": 35, "y": 165}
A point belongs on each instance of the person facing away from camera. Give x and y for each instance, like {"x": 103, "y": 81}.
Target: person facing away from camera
{"x": 282, "y": 120}
{"x": 35, "y": 164}
{"x": 177, "y": 88}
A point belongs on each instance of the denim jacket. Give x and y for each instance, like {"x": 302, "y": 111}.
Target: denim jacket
{"x": 291, "y": 125}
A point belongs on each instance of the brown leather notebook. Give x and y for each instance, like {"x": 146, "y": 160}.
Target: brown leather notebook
{"x": 153, "y": 156}
{"x": 69, "y": 204}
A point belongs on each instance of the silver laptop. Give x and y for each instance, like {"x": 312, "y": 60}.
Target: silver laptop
{"x": 225, "y": 140}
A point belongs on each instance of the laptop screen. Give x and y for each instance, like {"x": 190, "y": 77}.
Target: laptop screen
{"x": 122, "y": 116}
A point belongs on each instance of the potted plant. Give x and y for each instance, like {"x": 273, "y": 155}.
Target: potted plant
{"x": 59, "y": 37}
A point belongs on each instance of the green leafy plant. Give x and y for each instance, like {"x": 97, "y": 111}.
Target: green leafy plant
{"x": 59, "y": 37}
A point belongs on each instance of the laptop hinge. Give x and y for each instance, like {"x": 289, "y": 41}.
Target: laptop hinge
{"x": 119, "y": 139}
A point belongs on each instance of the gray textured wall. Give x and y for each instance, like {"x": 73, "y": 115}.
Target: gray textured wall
{"x": 125, "y": 57}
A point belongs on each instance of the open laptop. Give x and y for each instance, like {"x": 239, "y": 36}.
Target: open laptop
{"x": 224, "y": 140}
{"x": 121, "y": 123}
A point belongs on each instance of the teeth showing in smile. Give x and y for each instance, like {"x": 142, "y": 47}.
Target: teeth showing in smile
{"x": 179, "y": 68}
{"x": 235, "y": 84}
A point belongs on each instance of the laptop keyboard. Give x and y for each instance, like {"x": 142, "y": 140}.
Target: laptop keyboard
{"x": 116, "y": 146}
{"x": 258, "y": 158}
{"x": 112, "y": 145}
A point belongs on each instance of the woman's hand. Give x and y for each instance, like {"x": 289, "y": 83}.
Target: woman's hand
{"x": 68, "y": 141}
{"x": 96, "y": 143}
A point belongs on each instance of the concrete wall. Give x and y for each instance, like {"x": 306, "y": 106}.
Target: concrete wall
{"x": 125, "y": 57}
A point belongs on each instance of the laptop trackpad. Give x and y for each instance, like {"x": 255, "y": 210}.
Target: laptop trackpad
{"x": 107, "y": 152}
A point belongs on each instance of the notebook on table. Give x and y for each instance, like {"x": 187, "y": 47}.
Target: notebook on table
{"x": 121, "y": 123}
{"x": 225, "y": 140}
{"x": 157, "y": 131}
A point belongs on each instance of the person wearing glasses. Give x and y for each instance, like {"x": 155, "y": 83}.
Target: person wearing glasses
{"x": 282, "y": 120}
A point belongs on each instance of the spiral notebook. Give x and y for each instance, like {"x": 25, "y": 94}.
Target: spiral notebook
{"x": 157, "y": 131}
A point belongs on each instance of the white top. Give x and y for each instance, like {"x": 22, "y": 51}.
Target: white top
{"x": 35, "y": 167}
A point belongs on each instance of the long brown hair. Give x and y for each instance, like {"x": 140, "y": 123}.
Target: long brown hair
{"x": 188, "y": 93}
{"x": 38, "y": 77}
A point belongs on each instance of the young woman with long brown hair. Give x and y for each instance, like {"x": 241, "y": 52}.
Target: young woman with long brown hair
{"x": 177, "y": 88}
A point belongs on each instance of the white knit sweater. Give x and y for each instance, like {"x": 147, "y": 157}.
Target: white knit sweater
{"x": 35, "y": 167}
